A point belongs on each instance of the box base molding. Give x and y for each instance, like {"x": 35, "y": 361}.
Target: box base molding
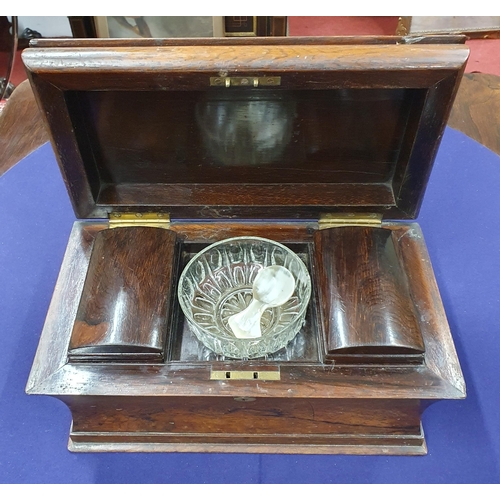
{"x": 91, "y": 442}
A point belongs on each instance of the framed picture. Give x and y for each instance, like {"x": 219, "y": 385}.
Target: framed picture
{"x": 240, "y": 25}
{"x": 158, "y": 26}
{"x": 255, "y": 26}
{"x": 176, "y": 26}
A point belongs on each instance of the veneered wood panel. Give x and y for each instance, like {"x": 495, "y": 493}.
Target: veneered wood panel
{"x": 476, "y": 111}
{"x": 21, "y": 127}
{"x": 260, "y": 416}
{"x": 401, "y": 165}
{"x": 365, "y": 304}
{"x": 126, "y": 305}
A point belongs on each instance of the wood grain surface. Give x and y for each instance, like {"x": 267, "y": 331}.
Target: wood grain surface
{"x": 476, "y": 111}
{"x": 304, "y": 66}
{"x": 158, "y": 134}
{"x": 283, "y": 424}
{"x": 275, "y": 40}
{"x": 364, "y": 299}
{"x": 170, "y": 403}
{"x": 21, "y": 127}
{"x": 312, "y": 408}
{"x": 125, "y": 309}
{"x": 52, "y": 373}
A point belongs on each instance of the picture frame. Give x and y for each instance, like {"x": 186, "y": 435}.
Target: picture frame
{"x": 177, "y": 26}
{"x": 240, "y": 25}
{"x": 158, "y": 26}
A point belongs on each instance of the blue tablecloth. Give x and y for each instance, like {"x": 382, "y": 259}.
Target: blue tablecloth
{"x": 460, "y": 219}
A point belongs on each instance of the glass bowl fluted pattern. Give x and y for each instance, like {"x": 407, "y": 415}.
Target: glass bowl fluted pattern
{"x": 217, "y": 283}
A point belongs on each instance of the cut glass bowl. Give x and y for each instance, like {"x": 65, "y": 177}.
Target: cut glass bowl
{"x": 217, "y": 283}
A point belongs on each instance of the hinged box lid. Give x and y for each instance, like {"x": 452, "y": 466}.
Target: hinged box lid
{"x": 268, "y": 128}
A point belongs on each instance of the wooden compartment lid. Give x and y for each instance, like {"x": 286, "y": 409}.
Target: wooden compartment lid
{"x": 126, "y": 306}
{"x": 288, "y": 128}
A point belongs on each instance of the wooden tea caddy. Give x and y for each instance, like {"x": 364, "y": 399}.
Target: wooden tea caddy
{"x": 323, "y": 144}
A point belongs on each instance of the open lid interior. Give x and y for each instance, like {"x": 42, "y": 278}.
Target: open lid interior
{"x": 285, "y": 129}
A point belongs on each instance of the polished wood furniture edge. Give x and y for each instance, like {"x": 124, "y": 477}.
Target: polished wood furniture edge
{"x": 324, "y": 58}
{"x": 476, "y": 111}
{"x": 435, "y": 329}
{"x": 127, "y": 300}
{"x": 440, "y": 377}
{"x": 21, "y": 127}
{"x": 435, "y": 68}
{"x": 476, "y": 108}
{"x": 364, "y": 296}
{"x": 274, "y": 40}
{"x": 398, "y": 445}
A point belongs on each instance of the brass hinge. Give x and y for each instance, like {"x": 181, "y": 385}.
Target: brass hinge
{"x": 245, "y": 81}
{"x": 130, "y": 219}
{"x": 340, "y": 220}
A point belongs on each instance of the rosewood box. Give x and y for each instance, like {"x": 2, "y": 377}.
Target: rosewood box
{"x": 324, "y": 145}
